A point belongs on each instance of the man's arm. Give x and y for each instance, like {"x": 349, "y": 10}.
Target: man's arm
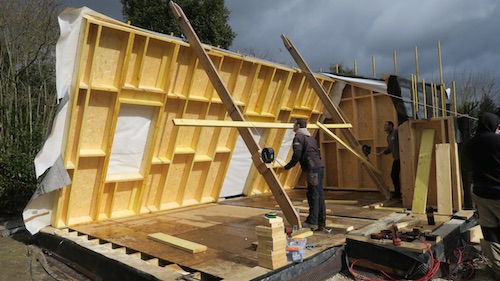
{"x": 297, "y": 153}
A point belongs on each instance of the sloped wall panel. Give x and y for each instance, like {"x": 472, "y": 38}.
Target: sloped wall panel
{"x": 119, "y": 66}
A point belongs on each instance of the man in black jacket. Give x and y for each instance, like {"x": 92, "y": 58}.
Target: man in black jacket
{"x": 393, "y": 148}
{"x": 483, "y": 152}
{"x": 306, "y": 152}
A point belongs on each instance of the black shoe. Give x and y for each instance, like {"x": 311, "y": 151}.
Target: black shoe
{"x": 313, "y": 227}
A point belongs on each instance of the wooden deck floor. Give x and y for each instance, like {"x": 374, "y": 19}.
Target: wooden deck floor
{"x": 227, "y": 228}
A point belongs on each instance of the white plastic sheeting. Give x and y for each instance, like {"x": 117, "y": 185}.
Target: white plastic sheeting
{"x": 364, "y": 83}
{"x": 129, "y": 142}
{"x": 241, "y": 162}
{"x": 38, "y": 212}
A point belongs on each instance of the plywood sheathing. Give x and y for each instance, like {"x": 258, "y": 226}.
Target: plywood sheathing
{"x": 119, "y": 66}
{"x": 409, "y": 138}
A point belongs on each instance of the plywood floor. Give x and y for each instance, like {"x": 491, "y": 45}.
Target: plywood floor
{"x": 227, "y": 228}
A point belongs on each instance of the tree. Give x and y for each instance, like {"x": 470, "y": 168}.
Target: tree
{"x": 476, "y": 93}
{"x": 208, "y": 17}
{"x": 28, "y": 35}
{"x": 340, "y": 68}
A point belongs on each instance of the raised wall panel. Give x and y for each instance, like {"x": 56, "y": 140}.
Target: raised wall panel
{"x": 119, "y": 66}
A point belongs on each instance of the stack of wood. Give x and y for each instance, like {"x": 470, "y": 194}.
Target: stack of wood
{"x": 271, "y": 240}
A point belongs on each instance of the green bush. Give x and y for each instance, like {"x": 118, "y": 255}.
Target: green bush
{"x": 17, "y": 182}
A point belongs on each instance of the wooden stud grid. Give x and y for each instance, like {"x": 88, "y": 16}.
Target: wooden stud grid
{"x": 119, "y": 66}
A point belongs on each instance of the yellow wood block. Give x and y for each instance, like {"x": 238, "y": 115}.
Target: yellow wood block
{"x": 267, "y": 231}
{"x": 339, "y": 227}
{"x": 264, "y": 246}
{"x": 302, "y": 233}
{"x": 178, "y": 243}
{"x": 475, "y": 234}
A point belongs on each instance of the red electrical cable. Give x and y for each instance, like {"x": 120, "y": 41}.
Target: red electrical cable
{"x": 432, "y": 271}
{"x": 459, "y": 262}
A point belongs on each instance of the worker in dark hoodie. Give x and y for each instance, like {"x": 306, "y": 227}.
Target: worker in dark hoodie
{"x": 483, "y": 152}
{"x": 306, "y": 152}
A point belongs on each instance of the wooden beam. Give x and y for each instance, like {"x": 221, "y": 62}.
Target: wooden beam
{"x": 335, "y": 112}
{"x": 337, "y": 201}
{"x": 178, "y": 243}
{"x": 234, "y": 112}
{"x": 246, "y": 124}
{"x": 423, "y": 172}
{"x": 364, "y": 160}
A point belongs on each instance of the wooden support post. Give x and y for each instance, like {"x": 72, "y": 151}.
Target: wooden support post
{"x": 334, "y": 111}
{"x": 395, "y": 63}
{"x": 416, "y": 62}
{"x": 454, "y": 97}
{"x": 374, "y": 71}
{"x": 234, "y": 112}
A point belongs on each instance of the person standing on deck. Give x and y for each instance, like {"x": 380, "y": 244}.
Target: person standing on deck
{"x": 306, "y": 152}
{"x": 393, "y": 147}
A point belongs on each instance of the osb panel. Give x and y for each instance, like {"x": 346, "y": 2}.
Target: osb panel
{"x": 181, "y": 166}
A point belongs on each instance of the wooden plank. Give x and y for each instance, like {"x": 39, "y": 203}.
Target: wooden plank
{"x": 409, "y": 223}
{"x": 339, "y": 228}
{"x": 382, "y": 206}
{"x": 380, "y": 224}
{"x": 407, "y": 156}
{"x": 246, "y": 124}
{"x": 414, "y": 247}
{"x": 423, "y": 172}
{"x": 236, "y": 115}
{"x": 178, "y": 243}
{"x": 334, "y": 111}
{"x": 306, "y": 210}
{"x": 338, "y": 201}
{"x": 456, "y": 178}
{"x": 443, "y": 179}
{"x": 302, "y": 233}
